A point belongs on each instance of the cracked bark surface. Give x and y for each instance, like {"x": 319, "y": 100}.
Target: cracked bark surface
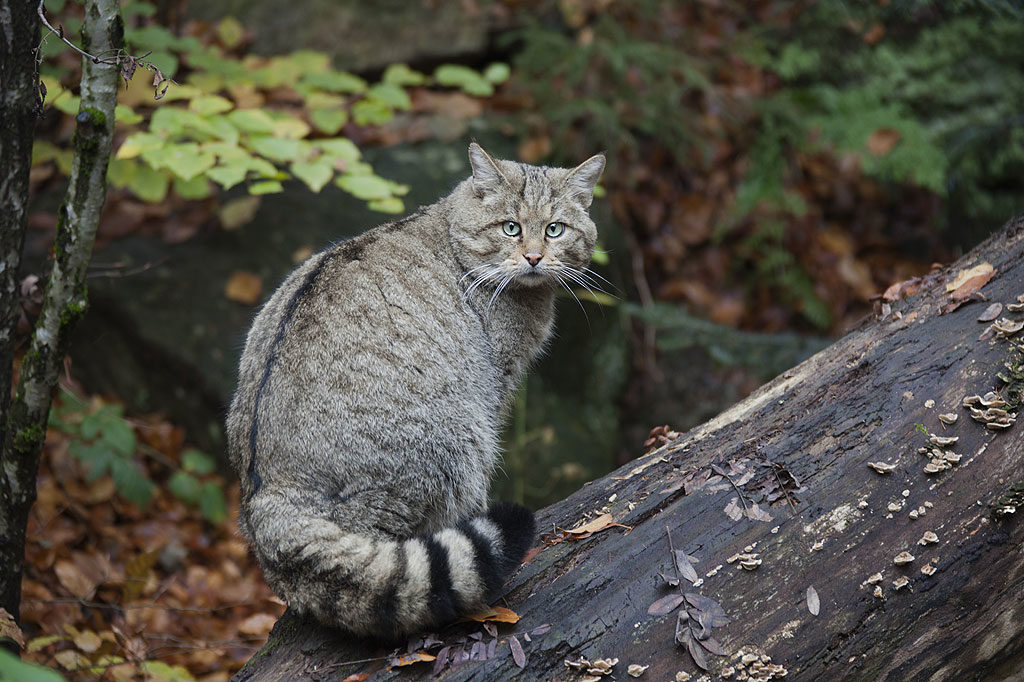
{"x": 865, "y": 398}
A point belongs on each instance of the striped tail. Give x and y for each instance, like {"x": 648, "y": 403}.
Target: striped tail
{"x": 389, "y": 588}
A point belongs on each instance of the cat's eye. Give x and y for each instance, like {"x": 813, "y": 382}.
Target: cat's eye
{"x": 511, "y": 228}
{"x": 554, "y": 230}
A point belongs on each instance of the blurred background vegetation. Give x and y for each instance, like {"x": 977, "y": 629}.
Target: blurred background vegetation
{"x": 772, "y": 167}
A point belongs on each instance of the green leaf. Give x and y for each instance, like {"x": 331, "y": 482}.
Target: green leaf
{"x": 98, "y": 458}
{"x": 329, "y": 121}
{"x": 66, "y": 103}
{"x": 371, "y": 112}
{"x": 340, "y": 148}
{"x": 170, "y": 120}
{"x": 161, "y": 672}
{"x": 90, "y": 426}
{"x": 335, "y": 81}
{"x": 387, "y": 205}
{"x": 165, "y": 61}
{"x": 185, "y": 487}
{"x": 364, "y": 186}
{"x": 228, "y": 175}
{"x": 126, "y": 115}
{"x": 210, "y": 104}
{"x": 251, "y": 120}
{"x": 290, "y": 127}
{"x": 118, "y": 434}
{"x": 315, "y": 174}
{"x": 401, "y": 74}
{"x": 132, "y": 483}
{"x": 277, "y": 148}
{"x": 212, "y": 504}
{"x": 266, "y": 187}
{"x": 198, "y": 461}
{"x": 187, "y": 160}
{"x": 54, "y": 6}
{"x": 137, "y": 143}
{"x": 392, "y": 95}
{"x": 218, "y": 127}
{"x": 308, "y": 61}
{"x": 138, "y": 9}
{"x": 148, "y": 184}
{"x": 194, "y": 188}
{"x": 12, "y": 668}
{"x": 497, "y": 73}
{"x": 458, "y": 76}
{"x": 230, "y": 31}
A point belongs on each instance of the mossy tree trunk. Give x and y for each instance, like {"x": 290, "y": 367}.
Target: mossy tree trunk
{"x": 799, "y": 449}
{"x": 65, "y": 300}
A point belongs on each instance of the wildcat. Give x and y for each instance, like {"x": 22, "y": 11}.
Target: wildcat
{"x": 371, "y": 393}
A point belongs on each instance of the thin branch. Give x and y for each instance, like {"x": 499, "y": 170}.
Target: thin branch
{"x": 126, "y": 63}
{"x": 60, "y": 35}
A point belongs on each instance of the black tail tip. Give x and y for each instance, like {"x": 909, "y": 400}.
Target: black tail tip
{"x": 518, "y": 528}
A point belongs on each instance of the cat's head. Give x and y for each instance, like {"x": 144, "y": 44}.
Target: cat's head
{"x": 517, "y": 225}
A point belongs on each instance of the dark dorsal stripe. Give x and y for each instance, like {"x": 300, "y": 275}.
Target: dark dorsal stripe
{"x": 289, "y": 313}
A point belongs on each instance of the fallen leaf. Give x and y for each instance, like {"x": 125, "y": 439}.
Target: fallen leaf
{"x": 969, "y": 281}
{"x": 87, "y": 641}
{"x": 686, "y": 568}
{"x": 238, "y": 212}
{"x": 10, "y": 630}
{"x": 813, "y": 605}
{"x": 712, "y": 645}
{"x": 882, "y": 141}
{"x": 757, "y": 514}
{"x": 732, "y": 510}
{"x": 497, "y": 613}
{"x": 257, "y": 625}
{"x": 531, "y": 553}
{"x": 991, "y": 312}
{"x": 410, "y": 659}
{"x": 244, "y": 287}
{"x": 709, "y": 605}
{"x": 74, "y": 579}
{"x": 904, "y": 289}
{"x": 696, "y": 652}
{"x": 357, "y": 677}
{"x": 518, "y": 655}
{"x": 600, "y": 523}
{"x": 541, "y": 630}
{"x": 665, "y": 605}
{"x": 136, "y": 572}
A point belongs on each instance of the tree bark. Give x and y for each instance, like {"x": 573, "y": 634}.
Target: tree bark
{"x": 874, "y": 395}
{"x": 19, "y": 36}
{"x": 65, "y": 298}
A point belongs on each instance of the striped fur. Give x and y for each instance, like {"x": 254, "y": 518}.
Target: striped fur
{"x": 371, "y": 393}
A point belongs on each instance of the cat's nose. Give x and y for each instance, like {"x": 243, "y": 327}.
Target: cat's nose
{"x": 533, "y": 257}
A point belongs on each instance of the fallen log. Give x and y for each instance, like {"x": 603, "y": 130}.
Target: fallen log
{"x": 825, "y": 527}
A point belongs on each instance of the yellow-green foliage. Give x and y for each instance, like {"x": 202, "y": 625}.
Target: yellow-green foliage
{"x": 219, "y": 123}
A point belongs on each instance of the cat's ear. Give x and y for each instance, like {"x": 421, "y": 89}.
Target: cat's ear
{"x": 487, "y": 177}
{"x": 581, "y": 179}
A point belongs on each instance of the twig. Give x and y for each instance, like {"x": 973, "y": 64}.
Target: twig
{"x": 675, "y": 563}
{"x": 125, "y": 62}
{"x": 782, "y": 486}
{"x": 721, "y": 472}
